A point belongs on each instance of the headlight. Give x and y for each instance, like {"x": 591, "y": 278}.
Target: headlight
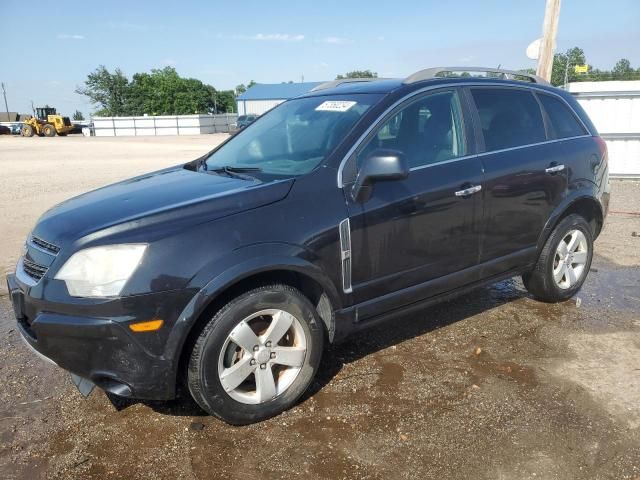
{"x": 101, "y": 271}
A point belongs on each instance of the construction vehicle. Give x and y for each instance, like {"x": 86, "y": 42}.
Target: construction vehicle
{"x": 46, "y": 122}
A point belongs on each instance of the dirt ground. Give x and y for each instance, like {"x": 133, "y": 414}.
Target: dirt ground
{"x": 492, "y": 385}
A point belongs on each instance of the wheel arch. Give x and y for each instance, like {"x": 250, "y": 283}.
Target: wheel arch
{"x": 294, "y": 272}
{"x": 584, "y": 205}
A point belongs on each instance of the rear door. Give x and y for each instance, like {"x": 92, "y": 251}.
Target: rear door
{"x": 524, "y": 175}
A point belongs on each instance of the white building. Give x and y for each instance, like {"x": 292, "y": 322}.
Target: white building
{"x": 614, "y": 108}
{"x": 264, "y": 96}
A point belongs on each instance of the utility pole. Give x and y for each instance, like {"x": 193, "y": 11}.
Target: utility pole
{"x": 548, "y": 43}
{"x": 6, "y": 107}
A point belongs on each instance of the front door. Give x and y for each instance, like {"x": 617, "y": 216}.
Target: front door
{"x": 425, "y": 227}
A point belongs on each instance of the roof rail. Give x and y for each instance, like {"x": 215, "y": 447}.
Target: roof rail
{"x": 335, "y": 83}
{"x": 431, "y": 73}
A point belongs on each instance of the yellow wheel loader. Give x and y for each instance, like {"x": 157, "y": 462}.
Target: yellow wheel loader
{"x": 46, "y": 123}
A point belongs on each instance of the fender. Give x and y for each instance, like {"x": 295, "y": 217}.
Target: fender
{"x": 240, "y": 264}
{"x": 588, "y": 191}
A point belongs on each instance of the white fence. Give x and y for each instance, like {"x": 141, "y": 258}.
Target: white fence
{"x": 614, "y": 108}
{"x": 162, "y": 125}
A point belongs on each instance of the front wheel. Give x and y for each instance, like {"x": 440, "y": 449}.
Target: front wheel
{"x": 564, "y": 262}
{"x": 257, "y": 355}
{"x": 27, "y": 131}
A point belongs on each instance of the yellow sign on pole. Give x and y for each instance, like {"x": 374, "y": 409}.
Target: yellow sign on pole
{"x": 581, "y": 68}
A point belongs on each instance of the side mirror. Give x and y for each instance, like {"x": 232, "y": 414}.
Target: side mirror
{"x": 380, "y": 166}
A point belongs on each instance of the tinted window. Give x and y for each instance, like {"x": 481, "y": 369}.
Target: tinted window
{"x": 509, "y": 117}
{"x": 428, "y": 130}
{"x": 294, "y": 137}
{"x": 563, "y": 123}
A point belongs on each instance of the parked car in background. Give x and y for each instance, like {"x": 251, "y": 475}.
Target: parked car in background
{"x": 336, "y": 211}
{"x": 4, "y": 130}
{"x": 243, "y": 121}
{"x": 16, "y": 129}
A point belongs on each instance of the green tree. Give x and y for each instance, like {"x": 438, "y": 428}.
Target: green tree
{"x": 623, "y": 70}
{"x": 107, "y": 90}
{"x": 358, "y": 74}
{"x": 159, "y": 92}
{"x": 574, "y": 56}
{"x": 77, "y": 116}
{"x": 225, "y": 101}
{"x": 240, "y": 89}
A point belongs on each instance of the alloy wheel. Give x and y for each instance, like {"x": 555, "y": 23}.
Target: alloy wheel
{"x": 262, "y": 356}
{"x": 570, "y": 259}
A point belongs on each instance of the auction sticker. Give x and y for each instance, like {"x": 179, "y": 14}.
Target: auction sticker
{"x": 335, "y": 106}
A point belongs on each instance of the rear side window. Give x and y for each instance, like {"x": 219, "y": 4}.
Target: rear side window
{"x": 509, "y": 117}
{"x": 563, "y": 123}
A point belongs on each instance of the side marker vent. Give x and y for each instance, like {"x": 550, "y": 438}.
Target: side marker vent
{"x": 345, "y": 254}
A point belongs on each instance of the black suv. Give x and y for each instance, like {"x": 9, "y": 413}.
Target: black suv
{"x": 332, "y": 212}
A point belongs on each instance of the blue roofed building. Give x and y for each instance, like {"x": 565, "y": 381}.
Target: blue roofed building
{"x": 264, "y": 96}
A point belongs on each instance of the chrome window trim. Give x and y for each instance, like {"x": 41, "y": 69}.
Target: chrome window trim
{"x": 378, "y": 120}
{"x": 451, "y": 160}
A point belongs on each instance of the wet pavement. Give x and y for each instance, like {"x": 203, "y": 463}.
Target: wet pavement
{"x": 491, "y": 385}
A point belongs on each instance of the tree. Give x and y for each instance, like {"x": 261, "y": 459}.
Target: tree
{"x": 160, "y": 92}
{"x": 240, "y": 89}
{"x": 623, "y": 70}
{"x": 77, "y": 116}
{"x": 106, "y": 90}
{"x": 358, "y": 74}
{"x": 226, "y": 101}
{"x": 575, "y": 56}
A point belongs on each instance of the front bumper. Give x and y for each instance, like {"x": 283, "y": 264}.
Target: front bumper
{"x": 94, "y": 341}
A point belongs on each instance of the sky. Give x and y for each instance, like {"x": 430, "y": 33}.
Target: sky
{"x": 48, "y": 48}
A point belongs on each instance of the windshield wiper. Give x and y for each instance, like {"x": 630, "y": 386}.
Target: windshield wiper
{"x": 236, "y": 172}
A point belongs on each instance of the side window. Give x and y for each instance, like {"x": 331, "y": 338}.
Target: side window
{"x": 509, "y": 117}
{"x": 563, "y": 122}
{"x": 428, "y": 130}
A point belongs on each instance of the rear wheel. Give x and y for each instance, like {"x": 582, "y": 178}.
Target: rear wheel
{"x": 27, "y": 131}
{"x": 564, "y": 262}
{"x": 48, "y": 130}
{"x": 257, "y": 355}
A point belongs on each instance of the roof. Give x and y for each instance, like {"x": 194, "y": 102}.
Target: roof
{"x": 382, "y": 85}
{"x": 13, "y": 116}
{"x": 277, "y": 91}
{"x": 390, "y": 85}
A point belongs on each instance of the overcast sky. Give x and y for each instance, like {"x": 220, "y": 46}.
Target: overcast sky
{"x": 227, "y": 43}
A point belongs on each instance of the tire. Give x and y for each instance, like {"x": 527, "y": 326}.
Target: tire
{"x": 48, "y": 130}
{"x": 564, "y": 262}
{"x": 216, "y": 358}
{"x": 27, "y": 131}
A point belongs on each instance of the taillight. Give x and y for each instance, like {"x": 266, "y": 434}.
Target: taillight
{"x": 602, "y": 145}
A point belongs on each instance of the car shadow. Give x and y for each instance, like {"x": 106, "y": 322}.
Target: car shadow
{"x": 359, "y": 345}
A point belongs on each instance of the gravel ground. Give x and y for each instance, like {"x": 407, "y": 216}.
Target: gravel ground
{"x": 492, "y": 385}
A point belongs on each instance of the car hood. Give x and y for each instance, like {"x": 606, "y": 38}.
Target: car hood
{"x": 175, "y": 196}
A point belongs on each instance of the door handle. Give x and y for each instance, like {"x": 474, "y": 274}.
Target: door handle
{"x": 554, "y": 169}
{"x": 468, "y": 191}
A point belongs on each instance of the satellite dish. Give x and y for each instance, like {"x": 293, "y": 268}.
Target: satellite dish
{"x": 533, "y": 50}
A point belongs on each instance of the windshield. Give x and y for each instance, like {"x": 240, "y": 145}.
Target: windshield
{"x": 293, "y": 138}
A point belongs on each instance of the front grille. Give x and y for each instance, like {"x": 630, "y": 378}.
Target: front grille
{"x": 49, "y": 247}
{"x": 32, "y": 269}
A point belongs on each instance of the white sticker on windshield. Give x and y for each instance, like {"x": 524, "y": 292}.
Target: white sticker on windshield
{"x": 335, "y": 106}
